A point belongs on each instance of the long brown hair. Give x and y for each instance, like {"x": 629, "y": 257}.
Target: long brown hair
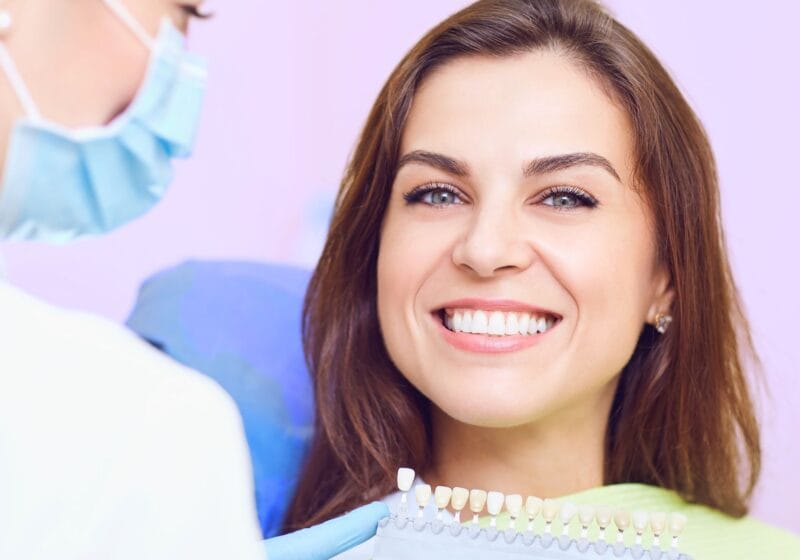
{"x": 682, "y": 417}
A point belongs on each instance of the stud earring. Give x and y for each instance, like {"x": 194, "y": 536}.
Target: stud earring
{"x": 663, "y": 321}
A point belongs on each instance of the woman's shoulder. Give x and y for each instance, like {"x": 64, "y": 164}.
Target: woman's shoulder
{"x": 709, "y": 533}
{"x": 713, "y": 534}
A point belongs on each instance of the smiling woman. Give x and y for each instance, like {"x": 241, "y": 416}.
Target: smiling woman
{"x": 525, "y": 285}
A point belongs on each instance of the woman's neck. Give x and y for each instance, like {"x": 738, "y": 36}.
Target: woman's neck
{"x": 547, "y": 458}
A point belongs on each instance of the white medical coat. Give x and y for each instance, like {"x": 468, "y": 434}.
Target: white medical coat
{"x": 110, "y": 450}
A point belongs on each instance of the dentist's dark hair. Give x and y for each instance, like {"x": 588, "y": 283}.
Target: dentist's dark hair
{"x": 683, "y": 416}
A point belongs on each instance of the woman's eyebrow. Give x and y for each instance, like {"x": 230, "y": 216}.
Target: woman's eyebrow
{"x": 537, "y": 166}
{"x": 548, "y": 164}
{"x": 439, "y": 161}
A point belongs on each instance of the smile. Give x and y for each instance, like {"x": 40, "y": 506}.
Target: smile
{"x": 493, "y": 326}
{"x": 497, "y": 323}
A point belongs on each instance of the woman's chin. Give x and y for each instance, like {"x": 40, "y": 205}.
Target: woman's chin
{"x": 484, "y": 412}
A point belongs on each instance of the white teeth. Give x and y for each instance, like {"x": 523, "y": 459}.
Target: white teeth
{"x": 524, "y": 320}
{"x": 497, "y": 323}
{"x": 512, "y": 326}
{"x": 480, "y": 322}
{"x": 466, "y": 322}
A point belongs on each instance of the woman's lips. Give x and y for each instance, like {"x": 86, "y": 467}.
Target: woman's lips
{"x": 485, "y": 343}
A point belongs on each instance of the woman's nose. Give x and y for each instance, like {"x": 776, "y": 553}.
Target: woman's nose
{"x": 493, "y": 243}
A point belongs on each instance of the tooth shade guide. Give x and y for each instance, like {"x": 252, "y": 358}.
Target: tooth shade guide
{"x": 557, "y": 516}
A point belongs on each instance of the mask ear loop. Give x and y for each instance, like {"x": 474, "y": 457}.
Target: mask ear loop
{"x": 130, "y": 22}
{"x": 18, "y": 84}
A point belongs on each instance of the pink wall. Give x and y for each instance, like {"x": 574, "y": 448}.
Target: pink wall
{"x": 291, "y": 85}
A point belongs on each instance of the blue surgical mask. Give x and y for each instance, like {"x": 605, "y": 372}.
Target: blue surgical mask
{"x": 60, "y": 184}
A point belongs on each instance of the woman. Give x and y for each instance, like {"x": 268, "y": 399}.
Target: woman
{"x": 525, "y": 286}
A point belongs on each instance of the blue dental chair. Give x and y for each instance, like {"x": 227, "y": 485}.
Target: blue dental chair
{"x": 239, "y": 323}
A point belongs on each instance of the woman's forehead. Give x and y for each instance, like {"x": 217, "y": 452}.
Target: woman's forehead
{"x": 515, "y": 108}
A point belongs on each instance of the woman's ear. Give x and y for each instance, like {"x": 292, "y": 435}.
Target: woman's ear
{"x": 663, "y": 295}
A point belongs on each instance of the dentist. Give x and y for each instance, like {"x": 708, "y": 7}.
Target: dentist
{"x": 108, "y": 449}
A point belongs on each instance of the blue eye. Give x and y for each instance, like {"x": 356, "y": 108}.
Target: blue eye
{"x": 434, "y": 195}
{"x": 567, "y": 198}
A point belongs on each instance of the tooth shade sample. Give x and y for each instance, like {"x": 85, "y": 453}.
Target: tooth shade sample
{"x": 514, "y": 505}
{"x": 640, "y": 521}
{"x": 459, "y": 498}
{"x": 405, "y": 478}
{"x": 604, "y": 515}
{"x": 585, "y": 514}
{"x": 422, "y": 493}
{"x": 622, "y": 519}
{"x": 549, "y": 510}
{"x": 441, "y": 496}
{"x": 533, "y": 506}
{"x": 658, "y": 522}
{"x": 494, "y": 503}
{"x": 477, "y": 499}
{"x": 677, "y": 523}
{"x": 480, "y": 322}
{"x": 568, "y": 511}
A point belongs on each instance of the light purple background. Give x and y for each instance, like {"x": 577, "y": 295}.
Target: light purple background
{"x": 291, "y": 86}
